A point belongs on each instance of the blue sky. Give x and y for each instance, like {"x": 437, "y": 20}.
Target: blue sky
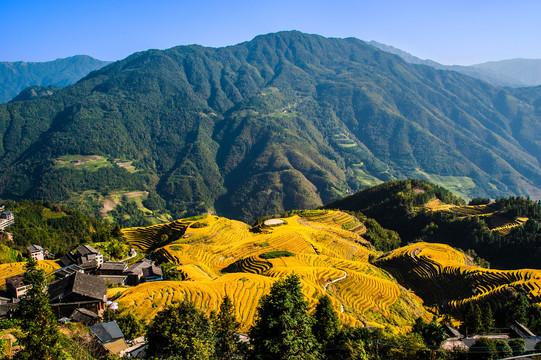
{"x": 447, "y": 31}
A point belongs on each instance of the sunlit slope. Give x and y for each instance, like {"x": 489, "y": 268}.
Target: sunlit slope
{"x": 498, "y": 223}
{"x": 12, "y": 269}
{"x": 218, "y": 256}
{"x": 447, "y": 278}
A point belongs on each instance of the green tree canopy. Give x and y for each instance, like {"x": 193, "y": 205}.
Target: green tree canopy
{"x": 130, "y": 325}
{"x": 40, "y": 339}
{"x": 326, "y": 323}
{"x": 483, "y": 349}
{"x": 283, "y": 328}
{"x": 180, "y": 332}
{"x": 226, "y": 327}
{"x": 503, "y": 349}
{"x": 518, "y": 346}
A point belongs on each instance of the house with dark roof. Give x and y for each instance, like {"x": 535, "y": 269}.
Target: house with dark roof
{"x": 113, "y": 268}
{"x": 78, "y": 290}
{"x": 16, "y": 287}
{"x": 110, "y": 336}
{"x": 67, "y": 271}
{"x": 86, "y": 256}
{"x": 143, "y": 270}
{"x": 85, "y": 316}
{"x": 520, "y": 330}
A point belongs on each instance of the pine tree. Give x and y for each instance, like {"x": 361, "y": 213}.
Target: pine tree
{"x": 326, "y": 322}
{"x": 226, "y": 328}
{"x": 283, "y": 328}
{"x": 38, "y": 322}
{"x": 487, "y": 318}
{"x": 180, "y": 332}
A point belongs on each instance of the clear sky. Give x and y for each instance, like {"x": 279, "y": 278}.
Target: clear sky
{"x": 448, "y": 31}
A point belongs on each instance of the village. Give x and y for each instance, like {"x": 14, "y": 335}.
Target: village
{"x": 79, "y": 290}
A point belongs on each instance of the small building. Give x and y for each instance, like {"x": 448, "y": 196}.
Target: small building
{"x": 77, "y": 291}
{"x": 87, "y": 253}
{"x": 521, "y": 331}
{"x": 36, "y": 252}
{"x": 6, "y": 219}
{"x": 113, "y": 268}
{"x": 85, "y": 316}
{"x": 16, "y": 287}
{"x": 67, "y": 271}
{"x": 110, "y": 336}
{"x": 85, "y": 256}
{"x": 142, "y": 271}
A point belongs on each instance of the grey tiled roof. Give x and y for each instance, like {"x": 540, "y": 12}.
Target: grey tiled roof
{"x": 86, "y": 249}
{"x": 78, "y": 283}
{"x": 107, "y": 332}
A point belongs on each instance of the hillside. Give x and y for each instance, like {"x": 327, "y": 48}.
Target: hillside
{"x": 215, "y": 256}
{"x": 285, "y": 121}
{"x": 504, "y": 231}
{"x": 207, "y": 257}
{"x": 449, "y": 280}
{"x": 16, "y": 76}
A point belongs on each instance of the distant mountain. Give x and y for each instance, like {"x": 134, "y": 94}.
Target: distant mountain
{"x": 16, "y": 76}
{"x": 527, "y": 71}
{"x": 500, "y": 73}
{"x": 287, "y": 120}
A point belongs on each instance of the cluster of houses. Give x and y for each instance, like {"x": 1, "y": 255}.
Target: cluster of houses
{"x": 79, "y": 292}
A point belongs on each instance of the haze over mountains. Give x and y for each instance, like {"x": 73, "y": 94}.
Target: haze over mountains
{"x": 16, "y": 76}
{"x": 513, "y": 72}
{"x": 287, "y": 120}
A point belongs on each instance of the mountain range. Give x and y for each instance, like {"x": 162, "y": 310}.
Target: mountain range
{"x": 287, "y": 120}
{"x": 16, "y": 76}
{"x": 512, "y": 72}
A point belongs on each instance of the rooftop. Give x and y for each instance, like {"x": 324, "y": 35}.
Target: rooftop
{"x": 107, "y": 332}
{"x": 78, "y": 283}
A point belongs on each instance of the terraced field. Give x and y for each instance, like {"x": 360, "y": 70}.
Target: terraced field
{"x": 218, "y": 256}
{"x": 497, "y": 223}
{"x": 446, "y": 278}
{"x": 16, "y": 268}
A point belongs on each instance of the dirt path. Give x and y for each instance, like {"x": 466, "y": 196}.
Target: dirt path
{"x": 332, "y": 282}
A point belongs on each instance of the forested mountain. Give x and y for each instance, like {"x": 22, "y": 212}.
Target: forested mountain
{"x": 16, "y": 76}
{"x": 287, "y": 120}
{"x": 513, "y": 72}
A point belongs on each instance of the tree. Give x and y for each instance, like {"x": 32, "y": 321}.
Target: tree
{"x": 283, "y": 328}
{"x": 483, "y": 349}
{"x": 432, "y": 333}
{"x": 472, "y": 319}
{"x": 226, "y": 328}
{"x": 348, "y": 344}
{"x": 130, "y": 325}
{"x": 518, "y": 346}
{"x": 40, "y": 340}
{"x": 503, "y": 349}
{"x": 487, "y": 318}
{"x": 326, "y": 323}
{"x": 180, "y": 332}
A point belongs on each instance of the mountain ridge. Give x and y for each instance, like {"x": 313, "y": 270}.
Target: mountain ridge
{"x": 284, "y": 121}
{"x": 18, "y": 75}
{"x": 510, "y": 72}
